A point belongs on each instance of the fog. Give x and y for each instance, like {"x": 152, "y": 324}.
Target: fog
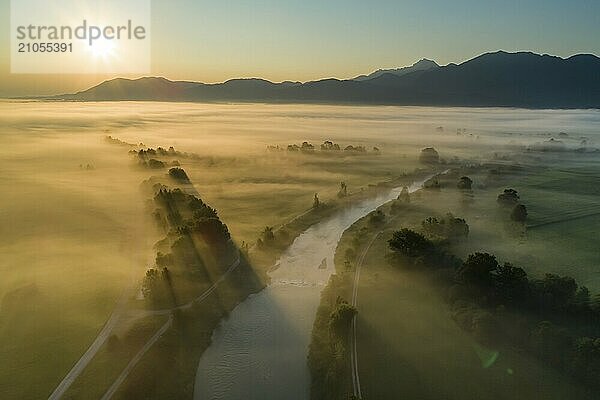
{"x": 74, "y": 232}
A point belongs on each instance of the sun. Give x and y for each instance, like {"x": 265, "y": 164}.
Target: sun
{"x": 102, "y": 49}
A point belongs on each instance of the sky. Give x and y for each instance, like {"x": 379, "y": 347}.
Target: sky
{"x": 301, "y": 40}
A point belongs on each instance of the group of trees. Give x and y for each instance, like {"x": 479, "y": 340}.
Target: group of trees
{"x": 510, "y": 198}
{"x": 447, "y": 228}
{"x": 267, "y": 238}
{"x": 117, "y": 141}
{"x": 146, "y": 154}
{"x": 328, "y": 352}
{"x": 559, "y": 322}
{"x": 326, "y": 146}
{"x": 179, "y": 175}
{"x": 156, "y": 286}
{"x": 306, "y": 147}
{"x": 187, "y": 220}
{"x": 148, "y": 157}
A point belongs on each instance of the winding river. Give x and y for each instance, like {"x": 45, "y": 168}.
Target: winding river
{"x": 260, "y": 350}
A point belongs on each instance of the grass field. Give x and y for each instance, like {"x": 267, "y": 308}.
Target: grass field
{"x": 407, "y": 340}
{"x": 409, "y": 344}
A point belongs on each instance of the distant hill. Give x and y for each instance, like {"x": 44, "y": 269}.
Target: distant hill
{"x": 421, "y": 65}
{"x": 497, "y": 79}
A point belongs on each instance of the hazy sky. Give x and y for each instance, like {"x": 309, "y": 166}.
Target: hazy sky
{"x": 216, "y": 40}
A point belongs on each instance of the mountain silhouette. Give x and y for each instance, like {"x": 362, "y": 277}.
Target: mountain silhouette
{"x": 498, "y": 79}
{"x": 421, "y": 65}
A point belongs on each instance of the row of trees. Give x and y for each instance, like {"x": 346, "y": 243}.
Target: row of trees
{"x": 558, "y": 320}
{"x": 328, "y": 352}
{"x": 509, "y": 198}
{"x": 447, "y": 228}
{"x": 326, "y": 146}
{"x": 187, "y": 220}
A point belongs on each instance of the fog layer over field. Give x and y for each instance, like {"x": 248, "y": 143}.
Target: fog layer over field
{"x": 74, "y": 233}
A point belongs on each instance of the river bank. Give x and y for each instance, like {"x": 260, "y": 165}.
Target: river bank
{"x": 265, "y": 339}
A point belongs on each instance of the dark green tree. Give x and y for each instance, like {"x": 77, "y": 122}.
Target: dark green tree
{"x": 519, "y": 213}
{"x": 509, "y": 197}
{"x": 464, "y": 183}
{"x": 409, "y": 243}
{"x": 478, "y": 268}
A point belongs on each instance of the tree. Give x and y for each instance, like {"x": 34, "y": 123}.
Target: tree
{"x": 511, "y": 283}
{"x": 267, "y": 235}
{"x": 432, "y": 227}
{"x": 307, "y": 147}
{"x": 404, "y": 195}
{"x": 212, "y": 230}
{"x": 519, "y": 213}
{"x": 448, "y": 228}
{"x": 478, "y": 268}
{"x": 556, "y": 292}
{"x": 179, "y": 175}
{"x": 155, "y": 164}
{"x": 343, "y": 190}
{"x": 409, "y": 243}
{"x": 509, "y": 197}
{"x": 464, "y": 183}
{"x": 456, "y": 228}
{"x": 340, "y": 318}
{"x": 432, "y": 183}
{"x": 429, "y": 155}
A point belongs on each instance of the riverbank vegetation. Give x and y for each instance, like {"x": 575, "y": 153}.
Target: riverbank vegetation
{"x": 427, "y": 267}
{"x": 553, "y": 318}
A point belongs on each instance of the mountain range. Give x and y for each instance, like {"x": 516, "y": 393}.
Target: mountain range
{"x": 498, "y": 79}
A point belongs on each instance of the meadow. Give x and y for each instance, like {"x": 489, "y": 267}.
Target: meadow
{"x": 408, "y": 341}
{"x": 76, "y": 237}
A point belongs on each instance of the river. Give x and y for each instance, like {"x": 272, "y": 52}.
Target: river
{"x": 260, "y": 350}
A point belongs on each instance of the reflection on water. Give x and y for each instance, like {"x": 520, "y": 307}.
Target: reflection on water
{"x": 260, "y": 351}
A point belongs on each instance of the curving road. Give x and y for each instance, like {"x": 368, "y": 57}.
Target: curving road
{"x": 353, "y": 352}
{"x": 356, "y": 389}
